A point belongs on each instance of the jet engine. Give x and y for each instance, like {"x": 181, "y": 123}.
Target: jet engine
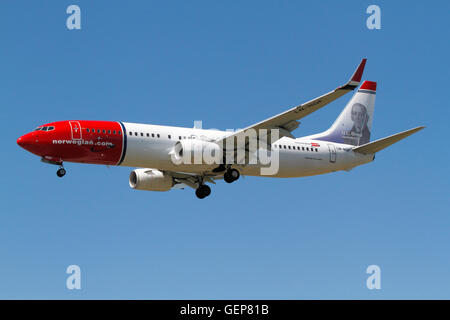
{"x": 194, "y": 151}
{"x": 150, "y": 180}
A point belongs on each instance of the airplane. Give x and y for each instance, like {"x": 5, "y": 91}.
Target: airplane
{"x": 156, "y": 150}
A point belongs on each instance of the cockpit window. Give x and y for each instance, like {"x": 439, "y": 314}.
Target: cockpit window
{"x": 50, "y": 128}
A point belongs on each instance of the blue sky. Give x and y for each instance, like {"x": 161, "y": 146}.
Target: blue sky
{"x": 229, "y": 65}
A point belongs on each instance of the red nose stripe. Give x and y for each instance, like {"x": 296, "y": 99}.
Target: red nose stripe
{"x": 84, "y": 141}
{"x": 369, "y": 85}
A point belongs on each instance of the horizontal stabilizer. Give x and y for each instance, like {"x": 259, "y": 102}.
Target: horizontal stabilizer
{"x": 378, "y": 145}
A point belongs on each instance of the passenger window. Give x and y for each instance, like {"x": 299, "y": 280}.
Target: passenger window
{"x": 157, "y": 135}
{"x": 98, "y": 130}
{"x": 142, "y": 134}
{"x": 153, "y": 135}
{"x": 169, "y": 136}
{"x": 135, "y": 134}
{"x": 303, "y": 148}
{"x": 119, "y": 132}
{"x": 317, "y": 150}
{"x": 131, "y": 133}
{"x": 179, "y": 137}
{"x": 109, "y": 131}
{"x": 148, "y": 135}
{"x": 87, "y": 130}
{"x": 114, "y": 131}
{"x": 104, "y": 131}
{"x": 289, "y": 147}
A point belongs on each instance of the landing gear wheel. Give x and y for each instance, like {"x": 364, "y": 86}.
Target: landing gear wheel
{"x": 61, "y": 172}
{"x": 203, "y": 191}
{"x": 231, "y": 175}
{"x": 206, "y": 190}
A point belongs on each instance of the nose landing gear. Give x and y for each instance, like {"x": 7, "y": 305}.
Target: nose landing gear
{"x": 61, "y": 172}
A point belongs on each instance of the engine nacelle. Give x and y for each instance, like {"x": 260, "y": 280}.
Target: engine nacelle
{"x": 194, "y": 151}
{"x": 150, "y": 180}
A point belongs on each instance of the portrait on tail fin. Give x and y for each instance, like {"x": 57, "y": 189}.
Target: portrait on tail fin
{"x": 359, "y": 133}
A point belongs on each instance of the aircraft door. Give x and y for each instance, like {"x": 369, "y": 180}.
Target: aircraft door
{"x": 332, "y": 150}
{"x": 75, "y": 127}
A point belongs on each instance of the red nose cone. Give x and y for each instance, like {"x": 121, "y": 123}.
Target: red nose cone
{"x": 25, "y": 141}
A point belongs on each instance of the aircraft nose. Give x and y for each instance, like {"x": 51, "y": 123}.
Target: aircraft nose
{"x": 25, "y": 140}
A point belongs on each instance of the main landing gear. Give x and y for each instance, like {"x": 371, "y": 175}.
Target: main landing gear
{"x": 203, "y": 191}
{"x": 231, "y": 175}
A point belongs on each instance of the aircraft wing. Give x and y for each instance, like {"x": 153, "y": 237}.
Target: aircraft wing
{"x": 287, "y": 121}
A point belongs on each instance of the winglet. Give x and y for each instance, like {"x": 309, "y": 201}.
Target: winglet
{"x": 359, "y": 72}
{"x": 356, "y": 77}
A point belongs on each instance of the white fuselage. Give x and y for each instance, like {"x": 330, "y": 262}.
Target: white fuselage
{"x": 149, "y": 146}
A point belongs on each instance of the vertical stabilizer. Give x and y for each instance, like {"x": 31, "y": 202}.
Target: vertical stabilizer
{"x": 354, "y": 124}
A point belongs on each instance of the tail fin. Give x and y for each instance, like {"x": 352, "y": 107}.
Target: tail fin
{"x": 380, "y": 144}
{"x": 354, "y": 124}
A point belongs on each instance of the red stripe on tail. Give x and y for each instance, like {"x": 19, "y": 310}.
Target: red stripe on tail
{"x": 369, "y": 85}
